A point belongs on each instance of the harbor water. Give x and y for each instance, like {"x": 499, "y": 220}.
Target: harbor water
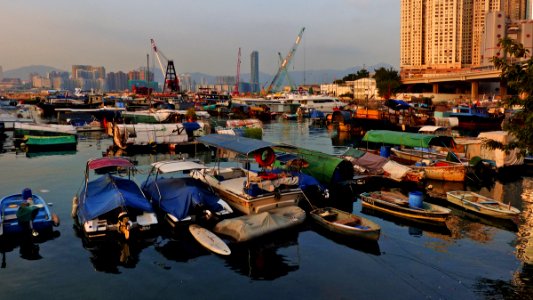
{"x": 471, "y": 257}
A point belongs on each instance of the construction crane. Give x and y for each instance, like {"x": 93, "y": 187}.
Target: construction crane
{"x": 237, "y": 78}
{"x": 286, "y": 73}
{"x": 278, "y": 79}
{"x": 171, "y": 83}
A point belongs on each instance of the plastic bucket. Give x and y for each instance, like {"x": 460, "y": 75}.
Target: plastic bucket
{"x": 416, "y": 199}
{"x": 384, "y": 151}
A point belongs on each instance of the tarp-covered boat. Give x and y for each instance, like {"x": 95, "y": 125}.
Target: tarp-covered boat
{"x": 180, "y": 198}
{"x": 407, "y": 139}
{"x": 100, "y": 201}
{"x": 248, "y": 227}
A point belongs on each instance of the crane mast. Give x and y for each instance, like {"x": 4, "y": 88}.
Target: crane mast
{"x": 278, "y": 80}
{"x": 171, "y": 79}
{"x": 237, "y": 78}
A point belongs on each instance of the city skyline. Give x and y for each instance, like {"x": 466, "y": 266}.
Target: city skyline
{"x": 200, "y": 36}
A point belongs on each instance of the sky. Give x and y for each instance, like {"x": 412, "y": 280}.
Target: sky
{"x": 199, "y": 35}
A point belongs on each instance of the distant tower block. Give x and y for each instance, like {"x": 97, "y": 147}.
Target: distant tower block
{"x": 1, "y": 73}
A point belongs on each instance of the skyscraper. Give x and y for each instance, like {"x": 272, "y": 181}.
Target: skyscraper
{"x": 254, "y": 75}
{"x": 443, "y": 35}
{"x": 1, "y": 73}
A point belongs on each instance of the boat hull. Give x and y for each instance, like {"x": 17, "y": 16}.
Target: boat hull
{"x": 347, "y": 224}
{"x": 428, "y": 213}
{"x": 449, "y": 172}
{"x": 482, "y": 205}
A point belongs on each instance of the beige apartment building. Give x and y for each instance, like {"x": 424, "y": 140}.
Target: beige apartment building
{"x": 439, "y": 36}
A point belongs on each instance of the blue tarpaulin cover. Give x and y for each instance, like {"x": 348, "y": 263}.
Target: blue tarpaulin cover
{"x": 179, "y": 195}
{"x": 397, "y": 104}
{"x": 317, "y": 114}
{"x": 109, "y": 192}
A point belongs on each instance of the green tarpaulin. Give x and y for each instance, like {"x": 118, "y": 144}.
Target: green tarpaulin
{"x": 406, "y": 138}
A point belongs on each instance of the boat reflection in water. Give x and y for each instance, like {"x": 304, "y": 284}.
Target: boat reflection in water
{"x": 366, "y": 246}
{"x": 49, "y": 153}
{"x": 108, "y": 256}
{"x": 182, "y": 250}
{"x": 267, "y": 257}
{"x": 8, "y": 243}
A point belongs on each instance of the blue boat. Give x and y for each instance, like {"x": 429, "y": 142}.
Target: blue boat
{"x": 101, "y": 202}
{"x": 43, "y": 222}
{"x": 180, "y": 199}
{"x": 476, "y": 118}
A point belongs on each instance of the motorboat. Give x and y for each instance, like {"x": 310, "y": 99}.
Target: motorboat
{"x": 42, "y": 223}
{"x": 180, "y": 199}
{"x": 111, "y": 194}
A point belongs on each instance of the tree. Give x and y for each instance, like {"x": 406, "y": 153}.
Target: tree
{"x": 363, "y": 73}
{"x": 517, "y": 73}
{"x": 387, "y": 81}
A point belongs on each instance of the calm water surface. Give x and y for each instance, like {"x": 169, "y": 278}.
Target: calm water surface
{"x": 469, "y": 258}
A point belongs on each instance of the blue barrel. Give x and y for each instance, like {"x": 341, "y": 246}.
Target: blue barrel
{"x": 384, "y": 151}
{"x": 416, "y": 199}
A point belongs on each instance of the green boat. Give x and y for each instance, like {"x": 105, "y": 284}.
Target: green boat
{"x": 34, "y": 143}
{"x": 407, "y": 139}
{"x": 325, "y": 168}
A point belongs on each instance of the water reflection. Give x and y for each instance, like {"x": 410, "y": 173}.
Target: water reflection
{"x": 181, "y": 250}
{"x": 8, "y": 243}
{"x": 366, "y": 246}
{"x": 108, "y": 256}
{"x": 262, "y": 259}
{"x": 524, "y": 247}
{"x": 414, "y": 227}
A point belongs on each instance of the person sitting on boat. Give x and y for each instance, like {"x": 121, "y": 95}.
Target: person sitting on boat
{"x": 124, "y": 224}
{"x": 25, "y": 215}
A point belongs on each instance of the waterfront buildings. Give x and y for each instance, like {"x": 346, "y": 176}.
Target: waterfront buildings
{"x": 89, "y": 77}
{"x": 449, "y": 35}
{"x": 1, "y": 73}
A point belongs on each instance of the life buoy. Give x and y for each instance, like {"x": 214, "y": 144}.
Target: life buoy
{"x": 265, "y": 158}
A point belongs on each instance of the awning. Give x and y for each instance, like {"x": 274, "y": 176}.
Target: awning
{"x": 407, "y": 138}
{"x": 239, "y": 144}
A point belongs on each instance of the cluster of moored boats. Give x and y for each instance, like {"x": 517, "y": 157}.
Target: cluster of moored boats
{"x": 237, "y": 203}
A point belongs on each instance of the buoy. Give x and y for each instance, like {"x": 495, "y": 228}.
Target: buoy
{"x": 265, "y": 158}
{"x": 74, "y": 206}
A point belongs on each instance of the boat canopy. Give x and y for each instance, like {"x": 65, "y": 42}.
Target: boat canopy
{"x": 432, "y": 129}
{"x": 104, "y": 162}
{"x": 407, "y": 138}
{"x": 239, "y": 144}
{"x": 108, "y": 192}
{"x": 324, "y": 167}
{"x": 170, "y": 166}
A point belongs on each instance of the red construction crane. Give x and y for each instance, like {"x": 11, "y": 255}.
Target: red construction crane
{"x": 237, "y": 78}
{"x": 171, "y": 83}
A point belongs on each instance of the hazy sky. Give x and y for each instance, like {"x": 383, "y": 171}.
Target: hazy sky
{"x": 199, "y": 35}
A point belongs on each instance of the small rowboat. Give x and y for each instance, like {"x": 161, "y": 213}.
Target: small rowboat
{"x": 345, "y": 223}
{"x": 482, "y": 205}
{"x": 398, "y": 205}
{"x": 42, "y": 223}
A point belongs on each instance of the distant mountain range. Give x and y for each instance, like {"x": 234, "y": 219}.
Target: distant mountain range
{"x": 298, "y": 77}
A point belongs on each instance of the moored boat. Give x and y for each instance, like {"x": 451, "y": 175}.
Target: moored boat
{"x": 483, "y": 205}
{"x": 179, "y": 198}
{"x": 398, "y": 205}
{"x": 245, "y": 190}
{"x": 42, "y": 223}
{"x": 34, "y": 143}
{"x": 345, "y": 223}
{"x": 102, "y": 203}
{"x": 443, "y": 170}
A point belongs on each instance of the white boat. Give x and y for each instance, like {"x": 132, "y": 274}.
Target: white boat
{"x": 125, "y": 135}
{"x": 322, "y": 103}
{"x": 21, "y": 129}
{"x": 245, "y": 190}
{"x": 482, "y": 205}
